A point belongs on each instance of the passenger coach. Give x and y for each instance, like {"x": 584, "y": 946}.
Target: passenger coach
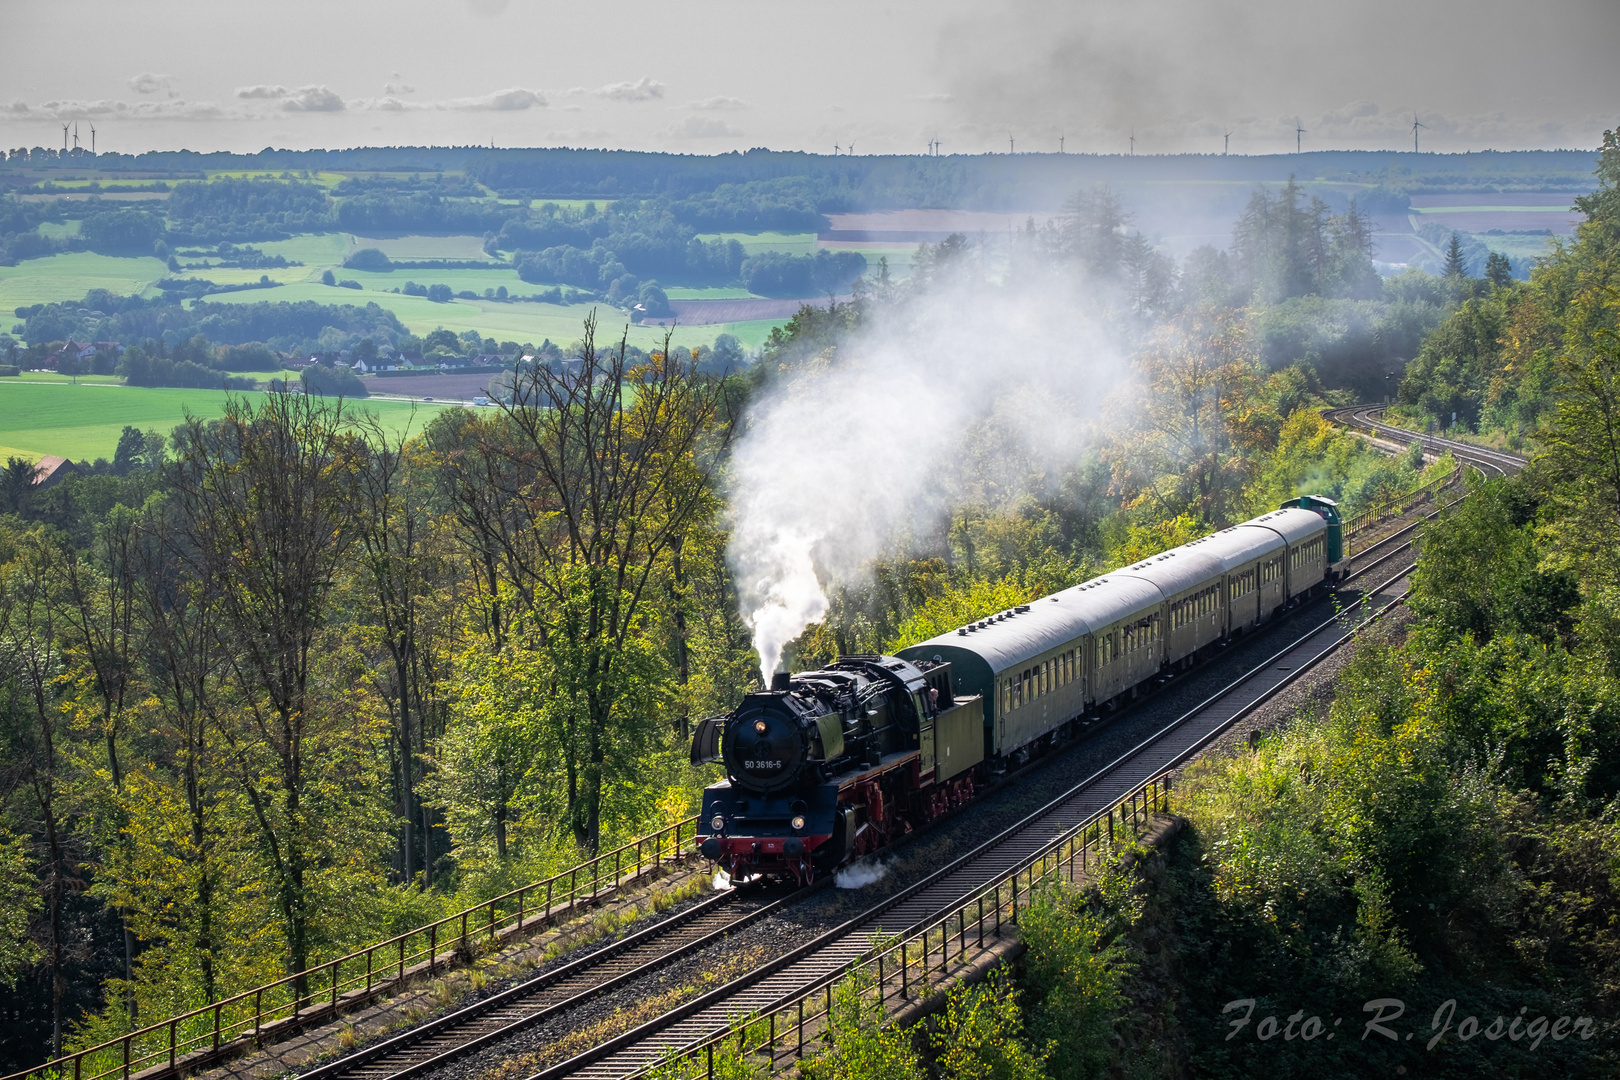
{"x": 1086, "y": 649}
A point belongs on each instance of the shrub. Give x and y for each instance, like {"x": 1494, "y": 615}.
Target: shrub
{"x": 369, "y": 259}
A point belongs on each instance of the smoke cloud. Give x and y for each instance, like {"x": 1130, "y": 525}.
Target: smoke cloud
{"x": 973, "y": 394}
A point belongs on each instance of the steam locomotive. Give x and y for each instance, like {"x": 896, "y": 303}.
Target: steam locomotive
{"x": 826, "y": 766}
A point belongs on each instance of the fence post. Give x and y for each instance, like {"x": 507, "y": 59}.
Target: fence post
{"x": 711, "y": 1061}
{"x": 258, "y": 1010}
{"x": 433, "y": 947}
{"x": 334, "y": 985}
{"x": 905, "y": 972}
{"x": 216, "y": 1037}
{"x": 463, "y": 929}
{"x": 402, "y": 957}
{"x": 492, "y": 918}
{"x": 171, "y": 1041}
{"x": 368, "y": 969}
{"x": 801, "y": 1019}
{"x": 520, "y": 906}
{"x": 126, "y": 1057}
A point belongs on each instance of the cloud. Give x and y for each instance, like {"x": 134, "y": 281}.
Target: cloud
{"x": 717, "y": 104}
{"x": 148, "y": 83}
{"x": 704, "y": 127}
{"x": 262, "y": 91}
{"x": 508, "y": 100}
{"x": 643, "y": 89}
{"x": 312, "y": 99}
{"x": 512, "y": 99}
{"x": 173, "y": 109}
{"x": 397, "y": 85}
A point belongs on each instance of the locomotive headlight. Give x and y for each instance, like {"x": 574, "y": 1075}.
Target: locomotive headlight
{"x": 797, "y": 823}
{"x": 718, "y": 823}
{"x": 760, "y": 727}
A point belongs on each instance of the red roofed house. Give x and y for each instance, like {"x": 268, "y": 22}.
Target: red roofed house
{"x": 50, "y": 471}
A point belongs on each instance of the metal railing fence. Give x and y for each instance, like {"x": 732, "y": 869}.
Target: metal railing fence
{"x": 368, "y": 971}
{"x": 910, "y": 968}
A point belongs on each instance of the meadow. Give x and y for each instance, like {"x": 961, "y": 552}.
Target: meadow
{"x": 70, "y": 276}
{"x": 83, "y": 422}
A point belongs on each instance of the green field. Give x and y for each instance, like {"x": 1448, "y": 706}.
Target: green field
{"x": 316, "y": 249}
{"x": 503, "y": 321}
{"x": 70, "y": 276}
{"x": 792, "y": 243}
{"x": 83, "y": 422}
{"x": 422, "y": 247}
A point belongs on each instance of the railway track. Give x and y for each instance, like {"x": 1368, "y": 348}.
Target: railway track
{"x": 1488, "y": 461}
{"x": 439, "y": 1042}
{"x": 833, "y": 952}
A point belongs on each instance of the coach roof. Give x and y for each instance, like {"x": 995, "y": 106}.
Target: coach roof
{"x": 1294, "y": 524}
{"x": 1050, "y": 623}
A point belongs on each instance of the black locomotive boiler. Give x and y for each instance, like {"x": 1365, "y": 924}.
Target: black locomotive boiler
{"x": 829, "y": 765}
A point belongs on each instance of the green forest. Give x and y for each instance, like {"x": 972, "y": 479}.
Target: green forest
{"x": 282, "y": 683}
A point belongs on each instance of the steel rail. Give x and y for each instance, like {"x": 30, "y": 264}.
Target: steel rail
{"x": 436, "y": 1043}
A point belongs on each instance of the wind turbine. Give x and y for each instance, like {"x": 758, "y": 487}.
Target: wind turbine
{"x": 1009, "y": 142}
{"x": 1060, "y": 144}
{"x": 1415, "y": 126}
{"x": 1226, "y": 148}
{"x": 1298, "y": 131}
{"x": 92, "y": 140}
{"x": 64, "y": 138}
{"x": 836, "y": 148}
{"x": 75, "y": 134}
{"x": 1133, "y": 142}
{"x": 852, "y": 149}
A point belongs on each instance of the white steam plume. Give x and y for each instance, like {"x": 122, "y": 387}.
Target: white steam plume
{"x": 975, "y": 393}
{"x": 858, "y": 875}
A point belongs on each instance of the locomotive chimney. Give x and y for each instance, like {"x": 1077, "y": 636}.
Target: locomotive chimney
{"x": 779, "y": 682}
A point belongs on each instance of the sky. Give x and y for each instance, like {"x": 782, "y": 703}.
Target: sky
{"x": 709, "y": 76}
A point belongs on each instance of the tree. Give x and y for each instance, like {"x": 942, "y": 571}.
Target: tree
{"x": 407, "y": 572}
{"x": 1455, "y": 267}
{"x": 266, "y": 506}
{"x": 1188, "y": 454}
{"x": 328, "y": 278}
{"x": 1498, "y": 270}
{"x": 34, "y": 750}
{"x": 1583, "y": 444}
{"x": 1094, "y": 231}
{"x": 622, "y": 458}
{"x": 128, "y": 455}
{"x": 16, "y": 484}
